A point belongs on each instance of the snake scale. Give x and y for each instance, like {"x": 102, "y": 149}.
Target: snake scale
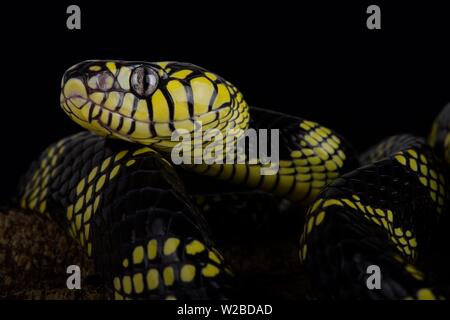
{"x": 115, "y": 190}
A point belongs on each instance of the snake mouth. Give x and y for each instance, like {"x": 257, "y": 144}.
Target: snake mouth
{"x": 113, "y": 119}
{"x": 111, "y": 122}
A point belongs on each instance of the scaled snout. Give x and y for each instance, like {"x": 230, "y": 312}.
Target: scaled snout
{"x": 75, "y": 92}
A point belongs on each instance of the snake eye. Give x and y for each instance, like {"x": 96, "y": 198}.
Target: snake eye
{"x": 102, "y": 81}
{"x": 144, "y": 81}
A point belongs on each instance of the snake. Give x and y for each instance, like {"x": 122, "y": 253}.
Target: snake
{"x": 116, "y": 189}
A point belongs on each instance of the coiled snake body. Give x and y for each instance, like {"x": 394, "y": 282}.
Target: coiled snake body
{"x": 129, "y": 209}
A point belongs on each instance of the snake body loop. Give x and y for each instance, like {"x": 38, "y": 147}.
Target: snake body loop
{"x": 381, "y": 214}
{"x": 312, "y": 155}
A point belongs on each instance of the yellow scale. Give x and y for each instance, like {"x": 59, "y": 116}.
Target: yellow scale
{"x": 154, "y": 277}
{"x": 35, "y": 194}
{"x": 428, "y": 176}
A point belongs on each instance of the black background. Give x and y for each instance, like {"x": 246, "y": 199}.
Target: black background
{"x": 314, "y": 60}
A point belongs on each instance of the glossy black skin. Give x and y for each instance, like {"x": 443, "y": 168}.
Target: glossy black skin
{"x": 145, "y": 201}
{"x": 346, "y": 244}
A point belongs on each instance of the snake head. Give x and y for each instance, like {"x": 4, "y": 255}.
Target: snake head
{"x": 146, "y": 102}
